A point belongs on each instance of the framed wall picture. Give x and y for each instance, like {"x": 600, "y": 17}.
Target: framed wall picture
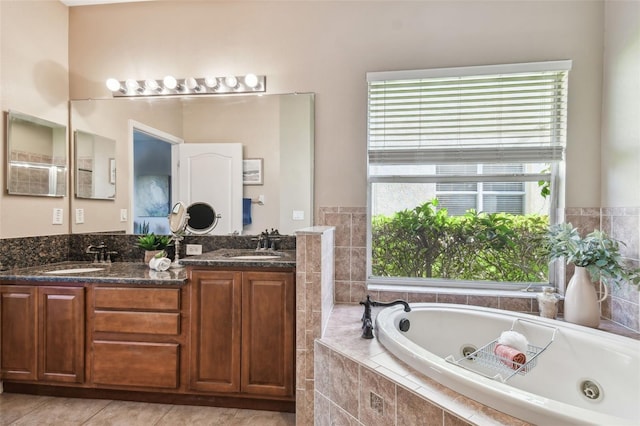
{"x": 252, "y": 171}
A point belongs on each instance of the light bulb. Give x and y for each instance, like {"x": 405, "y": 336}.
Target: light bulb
{"x": 211, "y": 82}
{"x": 251, "y": 80}
{"x": 151, "y": 85}
{"x": 113, "y": 85}
{"x": 191, "y": 83}
{"x": 170, "y": 82}
{"x": 231, "y": 82}
{"x": 132, "y": 85}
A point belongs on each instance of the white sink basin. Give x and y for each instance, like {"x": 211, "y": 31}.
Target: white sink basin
{"x": 74, "y": 271}
{"x": 255, "y": 257}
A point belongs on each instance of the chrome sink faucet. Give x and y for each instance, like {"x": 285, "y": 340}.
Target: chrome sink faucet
{"x": 100, "y": 252}
{"x": 267, "y": 240}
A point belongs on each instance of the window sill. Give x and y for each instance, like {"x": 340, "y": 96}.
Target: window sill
{"x": 453, "y": 291}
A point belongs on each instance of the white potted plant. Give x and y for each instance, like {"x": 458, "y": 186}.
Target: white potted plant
{"x": 596, "y": 257}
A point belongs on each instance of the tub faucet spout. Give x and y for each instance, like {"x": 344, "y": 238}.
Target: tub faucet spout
{"x": 367, "y": 323}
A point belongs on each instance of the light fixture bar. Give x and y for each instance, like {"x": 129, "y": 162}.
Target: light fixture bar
{"x": 169, "y": 86}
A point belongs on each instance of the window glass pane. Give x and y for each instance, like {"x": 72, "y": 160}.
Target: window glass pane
{"x": 420, "y": 233}
{"x": 503, "y": 203}
{"x": 457, "y": 204}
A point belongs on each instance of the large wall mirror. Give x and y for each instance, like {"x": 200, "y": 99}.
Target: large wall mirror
{"x": 278, "y": 129}
{"x": 36, "y": 156}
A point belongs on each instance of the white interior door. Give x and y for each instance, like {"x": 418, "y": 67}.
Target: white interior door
{"x": 212, "y": 173}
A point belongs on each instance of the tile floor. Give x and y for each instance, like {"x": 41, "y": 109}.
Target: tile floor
{"x": 18, "y": 409}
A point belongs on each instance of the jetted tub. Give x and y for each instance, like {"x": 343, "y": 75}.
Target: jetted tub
{"x": 577, "y": 375}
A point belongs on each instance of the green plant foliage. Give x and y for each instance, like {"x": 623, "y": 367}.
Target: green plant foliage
{"x": 153, "y": 242}
{"x": 597, "y": 252}
{"x": 427, "y": 243}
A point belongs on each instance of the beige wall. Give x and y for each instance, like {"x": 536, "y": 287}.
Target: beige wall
{"x": 621, "y": 107}
{"x": 34, "y": 79}
{"x": 327, "y": 47}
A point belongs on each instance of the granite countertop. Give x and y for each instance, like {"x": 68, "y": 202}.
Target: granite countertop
{"x": 244, "y": 258}
{"x": 116, "y": 272}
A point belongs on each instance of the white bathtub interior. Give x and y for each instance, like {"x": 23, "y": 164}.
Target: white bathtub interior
{"x": 554, "y": 389}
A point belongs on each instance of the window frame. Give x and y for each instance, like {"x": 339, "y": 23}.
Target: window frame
{"x": 555, "y": 176}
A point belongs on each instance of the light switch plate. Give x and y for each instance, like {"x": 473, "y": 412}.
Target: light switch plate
{"x": 298, "y": 215}
{"x": 57, "y": 216}
{"x": 79, "y": 215}
{"x": 123, "y": 215}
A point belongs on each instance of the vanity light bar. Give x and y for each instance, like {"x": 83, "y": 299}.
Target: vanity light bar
{"x": 250, "y": 83}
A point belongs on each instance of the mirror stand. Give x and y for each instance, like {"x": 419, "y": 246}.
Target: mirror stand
{"x": 177, "y": 224}
{"x": 176, "y": 264}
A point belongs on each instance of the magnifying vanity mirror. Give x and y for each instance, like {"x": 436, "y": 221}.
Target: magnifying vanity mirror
{"x": 178, "y": 218}
{"x": 95, "y": 166}
{"x": 202, "y": 218}
{"x": 36, "y": 156}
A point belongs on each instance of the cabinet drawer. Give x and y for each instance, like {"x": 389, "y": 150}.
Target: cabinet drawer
{"x": 136, "y": 364}
{"x": 137, "y": 322}
{"x": 157, "y": 299}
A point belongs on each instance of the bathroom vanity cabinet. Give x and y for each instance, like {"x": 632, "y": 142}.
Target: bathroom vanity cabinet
{"x": 209, "y": 336}
{"x": 42, "y": 333}
{"x": 243, "y": 332}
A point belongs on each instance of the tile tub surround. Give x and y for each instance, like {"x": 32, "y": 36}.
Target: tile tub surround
{"x": 354, "y": 375}
{"x": 314, "y": 304}
{"x": 622, "y": 307}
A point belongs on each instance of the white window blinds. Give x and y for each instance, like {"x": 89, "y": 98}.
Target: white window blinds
{"x": 511, "y": 113}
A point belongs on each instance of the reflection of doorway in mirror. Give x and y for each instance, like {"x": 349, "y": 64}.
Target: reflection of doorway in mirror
{"x": 152, "y": 184}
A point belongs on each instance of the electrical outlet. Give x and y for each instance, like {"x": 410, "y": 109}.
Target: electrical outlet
{"x": 377, "y": 403}
{"x": 298, "y": 215}
{"x": 194, "y": 249}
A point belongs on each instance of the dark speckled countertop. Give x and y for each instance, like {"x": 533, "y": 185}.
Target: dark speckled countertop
{"x": 117, "y": 272}
{"x": 245, "y": 258}
{"x": 140, "y": 273}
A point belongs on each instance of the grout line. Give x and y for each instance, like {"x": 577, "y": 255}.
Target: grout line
{"x": 96, "y": 413}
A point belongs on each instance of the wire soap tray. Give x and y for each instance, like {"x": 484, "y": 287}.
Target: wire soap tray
{"x": 503, "y": 367}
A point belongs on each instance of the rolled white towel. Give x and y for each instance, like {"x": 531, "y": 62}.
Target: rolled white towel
{"x": 514, "y": 340}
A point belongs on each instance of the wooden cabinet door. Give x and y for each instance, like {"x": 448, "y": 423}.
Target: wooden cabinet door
{"x": 61, "y": 334}
{"x": 18, "y": 333}
{"x": 215, "y": 331}
{"x": 268, "y": 333}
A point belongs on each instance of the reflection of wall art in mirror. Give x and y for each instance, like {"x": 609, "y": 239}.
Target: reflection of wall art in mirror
{"x": 37, "y": 156}
{"x": 95, "y": 166}
{"x": 252, "y": 171}
{"x": 152, "y": 196}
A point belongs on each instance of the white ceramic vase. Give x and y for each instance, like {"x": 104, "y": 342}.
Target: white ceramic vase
{"x": 581, "y": 303}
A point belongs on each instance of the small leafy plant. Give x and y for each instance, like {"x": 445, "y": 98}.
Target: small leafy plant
{"x": 153, "y": 242}
{"x": 597, "y": 252}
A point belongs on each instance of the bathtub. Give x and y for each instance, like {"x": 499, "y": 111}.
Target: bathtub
{"x": 577, "y": 375}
